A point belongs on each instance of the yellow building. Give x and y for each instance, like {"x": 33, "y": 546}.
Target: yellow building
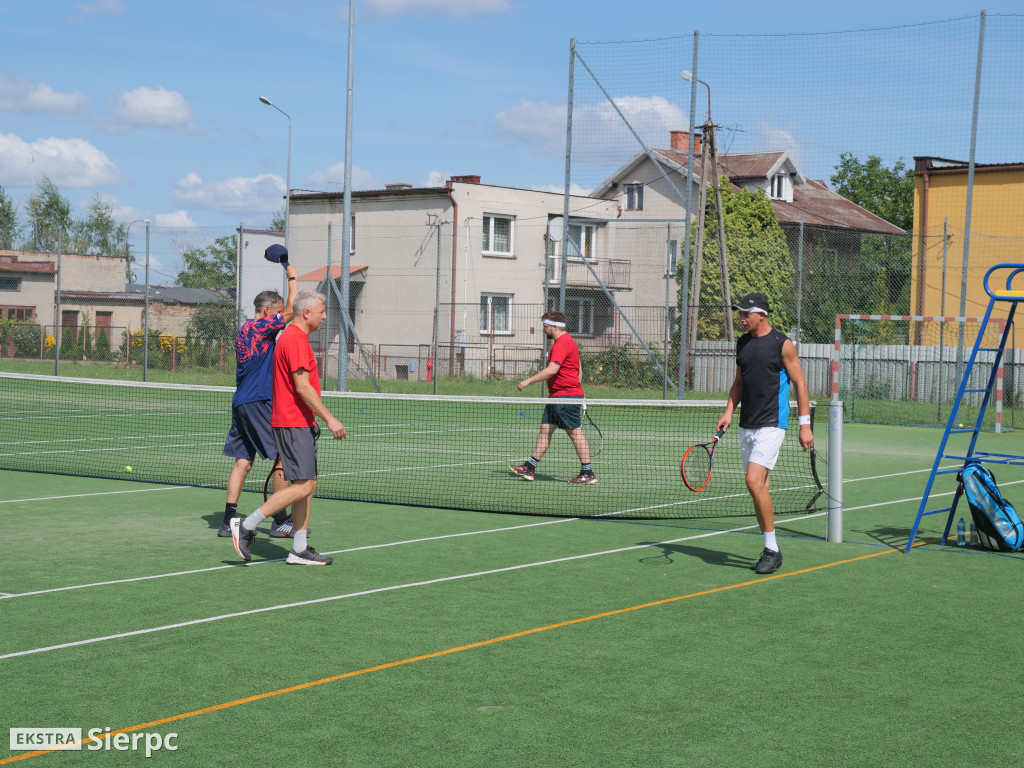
{"x": 997, "y": 232}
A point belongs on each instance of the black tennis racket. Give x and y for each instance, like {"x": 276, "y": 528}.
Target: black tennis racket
{"x": 697, "y": 461}
{"x": 600, "y": 437}
{"x": 267, "y": 484}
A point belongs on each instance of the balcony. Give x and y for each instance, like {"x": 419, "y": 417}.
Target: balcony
{"x": 614, "y": 273}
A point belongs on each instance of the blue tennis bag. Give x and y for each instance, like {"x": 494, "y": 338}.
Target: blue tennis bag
{"x": 999, "y": 526}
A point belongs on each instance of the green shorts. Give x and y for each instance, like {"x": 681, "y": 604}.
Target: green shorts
{"x": 565, "y": 415}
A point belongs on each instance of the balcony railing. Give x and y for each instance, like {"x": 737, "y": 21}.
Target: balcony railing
{"x": 614, "y": 273}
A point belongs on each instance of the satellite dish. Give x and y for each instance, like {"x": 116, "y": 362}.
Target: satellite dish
{"x": 556, "y": 228}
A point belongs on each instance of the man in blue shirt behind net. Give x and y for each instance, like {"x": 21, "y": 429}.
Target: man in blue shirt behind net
{"x": 251, "y": 405}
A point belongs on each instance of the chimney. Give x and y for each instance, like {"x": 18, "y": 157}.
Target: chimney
{"x": 681, "y": 142}
{"x": 397, "y": 186}
{"x": 466, "y": 179}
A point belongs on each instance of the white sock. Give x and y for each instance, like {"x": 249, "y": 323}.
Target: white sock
{"x": 299, "y": 542}
{"x": 769, "y": 541}
{"x": 253, "y": 520}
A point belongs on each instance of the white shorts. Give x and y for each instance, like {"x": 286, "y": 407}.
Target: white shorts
{"x": 761, "y": 445}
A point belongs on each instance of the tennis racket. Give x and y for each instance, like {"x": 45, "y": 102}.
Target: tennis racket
{"x": 600, "y": 437}
{"x": 268, "y": 483}
{"x": 697, "y": 461}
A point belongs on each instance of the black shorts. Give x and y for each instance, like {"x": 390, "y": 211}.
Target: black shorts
{"x": 566, "y": 415}
{"x": 296, "y": 447}
{"x": 250, "y": 432}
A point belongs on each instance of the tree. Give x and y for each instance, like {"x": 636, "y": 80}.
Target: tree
{"x": 758, "y": 260}
{"x": 212, "y": 267}
{"x": 278, "y": 221}
{"x": 51, "y": 218}
{"x": 99, "y": 234}
{"x": 886, "y": 192}
{"x": 10, "y": 228}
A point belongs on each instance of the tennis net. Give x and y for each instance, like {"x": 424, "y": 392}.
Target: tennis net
{"x": 447, "y": 452}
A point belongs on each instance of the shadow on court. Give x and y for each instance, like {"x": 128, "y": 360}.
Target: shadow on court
{"x": 670, "y": 553}
{"x": 889, "y": 536}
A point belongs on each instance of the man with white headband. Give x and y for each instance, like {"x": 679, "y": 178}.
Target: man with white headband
{"x": 766, "y": 367}
{"x": 565, "y": 388}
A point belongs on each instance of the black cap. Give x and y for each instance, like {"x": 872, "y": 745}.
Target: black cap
{"x": 752, "y": 302}
{"x": 277, "y": 254}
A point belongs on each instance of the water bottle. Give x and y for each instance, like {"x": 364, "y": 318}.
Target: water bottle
{"x": 961, "y": 533}
{"x": 974, "y": 534}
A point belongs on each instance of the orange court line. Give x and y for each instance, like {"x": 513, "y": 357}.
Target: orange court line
{"x": 447, "y": 651}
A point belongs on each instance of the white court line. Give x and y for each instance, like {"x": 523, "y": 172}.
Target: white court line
{"x": 380, "y": 546}
{"x": 100, "y": 493}
{"x": 377, "y": 590}
{"x": 278, "y": 560}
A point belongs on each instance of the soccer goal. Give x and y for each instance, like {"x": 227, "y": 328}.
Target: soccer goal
{"x": 905, "y": 369}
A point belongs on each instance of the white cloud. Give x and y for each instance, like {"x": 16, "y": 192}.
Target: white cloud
{"x": 18, "y": 95}
{"x": 599, "y": 134}
{"x": 574, "y": 189}
{"x": 262, "y": 193}
{"x": 334, "y": 179}
{"x": 155, "y": 107}
{"x": 102, "y": 8}
{"x": 534, "y": 122}
{"x": 175, "y": 219}
{"x": 441, "y": 7}
{"x": 73, "y": 163}
{"x": 435, "y": 179}
{"x": 771, "y": 138}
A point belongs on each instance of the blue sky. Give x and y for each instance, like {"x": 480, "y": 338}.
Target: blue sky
{"x": 154, "y": 104}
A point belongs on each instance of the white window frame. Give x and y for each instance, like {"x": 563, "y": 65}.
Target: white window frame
{"x": 581, "y": 322}
{"x": 485, "y": 319}
{"x": 778, "y": 187}
{"x": 487, "y": 235}
{"x": 585, "y": 229}
{"x": 634, "y": 196}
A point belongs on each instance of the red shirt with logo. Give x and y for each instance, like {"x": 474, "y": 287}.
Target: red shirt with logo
{"x": 565, "y": 383}
{"x": 291, "y": 354}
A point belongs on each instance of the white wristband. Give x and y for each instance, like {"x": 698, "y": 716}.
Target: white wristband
{"x": 805, "y": 420}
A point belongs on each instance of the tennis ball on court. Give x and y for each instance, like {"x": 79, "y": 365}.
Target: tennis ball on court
{"x": 961, "y": 425}
{"x": 128, "y": 470}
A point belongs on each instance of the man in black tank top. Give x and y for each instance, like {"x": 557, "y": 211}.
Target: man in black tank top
{"x": 767, "y": 369}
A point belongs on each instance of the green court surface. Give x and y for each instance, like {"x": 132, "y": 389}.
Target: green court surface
{"x": 457, "y": 638}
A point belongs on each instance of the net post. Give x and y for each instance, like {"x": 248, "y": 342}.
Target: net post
{"x": 834, "y": 486}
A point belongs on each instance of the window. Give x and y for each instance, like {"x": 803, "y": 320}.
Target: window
{"x": 495, "y": 312}
{"x": 634, "y": 197}
{"x": 10, "y": 283}
{"x": 579, "y": 316}
{"x": 673, "y": 256}
{"x": 498, "y": 232}
{"x": 581, "y": 241}
{"x": 779, "y": 186}
{"x": 17, "y": 313}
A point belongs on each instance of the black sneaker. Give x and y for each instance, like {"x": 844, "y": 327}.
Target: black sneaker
{"x": 224, "y": 531}
{"x": 308, "y": 556}
{"x": 242, "y": 539}
{"x": 769, "y": 562}
{"x": 584, "y": 478}
{"x": 285, "y": 530}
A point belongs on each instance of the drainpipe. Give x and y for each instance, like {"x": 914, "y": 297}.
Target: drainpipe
{"x": 455, "y": 243}
{"x": 923, "y": 243}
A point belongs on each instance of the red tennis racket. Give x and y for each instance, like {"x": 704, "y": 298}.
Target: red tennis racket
{"x": 697, "y": 462}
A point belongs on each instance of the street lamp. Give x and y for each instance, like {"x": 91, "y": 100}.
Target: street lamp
{"x": 689, "y": 76}
{"x": 288, "y": 178}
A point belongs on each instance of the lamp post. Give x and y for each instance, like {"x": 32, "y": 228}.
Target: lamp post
{"x": 288, "y": 173}
{"x": 686, "y": 75}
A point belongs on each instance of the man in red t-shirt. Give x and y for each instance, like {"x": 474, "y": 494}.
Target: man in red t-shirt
{"x": 565, "y": 383}
{"x": 296, "y": 404}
